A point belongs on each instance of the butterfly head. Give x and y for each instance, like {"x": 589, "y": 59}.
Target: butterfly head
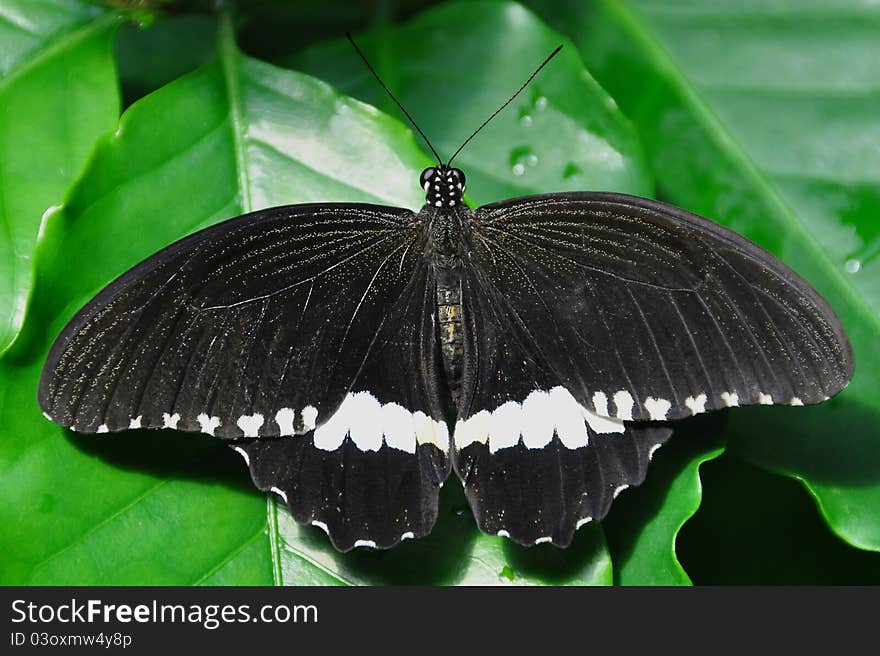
{"x": 444, "y": 186}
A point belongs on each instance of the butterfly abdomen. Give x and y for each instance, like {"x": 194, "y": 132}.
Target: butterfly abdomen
{"x": 451, "y": 336}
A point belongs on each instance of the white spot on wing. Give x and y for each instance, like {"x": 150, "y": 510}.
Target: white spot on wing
{"x": 250, "y": 424}
{"x": 569, "y": 419}
{"x": 730, "y": 399}
{"x": 653, "y": 450}
{"x": 309, "y": 417}
{"x": 429, "y": 431}
{"x": 697, "y": 404}
{"x": 504, "y": 426}
{"x": 619, "y": 489}
{"x": 284, "y": 418}
{"x": 765, "y": 399}
{"x": 135, "y": 423}
{"x": 582, "y": 521}
{"x": 170, "y": 420}
{"x": 365, "y": 543}
{"x": 473, "y": 429}
{"x": 321, "y": 525}
{"x": 544, "y": 540}
{"x": 624, "y": 403}
{"x": 208, "y": 424}
{"x": 795, "y": 401}
{"x": 409, "y": 535}
{"x": 537, "y": 420}
{"x": 103, "y": 428}
{"x": 657, "y": 408}
{"x": 46, "y": 415}
{"x": 279, "y": 492}
{"x": 364, "y": 416}
{"x": 600, "y": 403}
{"x": 330, "y": 435}
{"x": 601, "y": 424}
{"x": 397, "y": 426}
{"x": 244, "y": 455}
{"x": 503, "y": 534}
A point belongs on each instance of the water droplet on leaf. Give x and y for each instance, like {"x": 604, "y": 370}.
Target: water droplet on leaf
{"x": 520, "y": 158}
{"x": 852, "y": 266}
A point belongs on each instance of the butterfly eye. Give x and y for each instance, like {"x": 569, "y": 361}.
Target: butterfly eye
{"x": 426, "y": 177}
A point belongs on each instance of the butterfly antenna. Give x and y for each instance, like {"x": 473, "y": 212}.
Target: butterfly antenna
{"x": 391, "y": 95}
{"x": 510, "y": 100}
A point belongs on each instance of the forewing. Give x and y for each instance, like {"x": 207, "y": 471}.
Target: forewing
{"x": 655, "y": 313}
{"x": 267, "y": 326}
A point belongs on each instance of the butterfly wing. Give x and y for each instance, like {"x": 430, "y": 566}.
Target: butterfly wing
{"x": 371, "y": 475}
{"x": 586, "y": 312}
{"x": 271, "y": 330}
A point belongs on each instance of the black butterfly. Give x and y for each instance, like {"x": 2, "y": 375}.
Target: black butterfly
{"x": 324, "y": 342}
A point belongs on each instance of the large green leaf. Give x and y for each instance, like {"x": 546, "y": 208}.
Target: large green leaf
{"x": 57, "y": 96}
{"x": 764, "y": 116}
{"x": 642, "y": 531}
{"x": 156, "y": 52}
{"x": 451, "y": 67}
{"x": 770, "y": 533}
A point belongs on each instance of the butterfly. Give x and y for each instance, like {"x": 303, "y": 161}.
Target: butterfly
{"x": 356, "y": 355}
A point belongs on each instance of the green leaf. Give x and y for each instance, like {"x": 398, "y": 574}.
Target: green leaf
{"x": 57, "y": 96}
{"x": 452, "y": 66}
{"x": 763, "y": 116}
{"x": 151, "y": 56}
{"x": 643, "y": 529}
{"x": 771, "y": 534}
